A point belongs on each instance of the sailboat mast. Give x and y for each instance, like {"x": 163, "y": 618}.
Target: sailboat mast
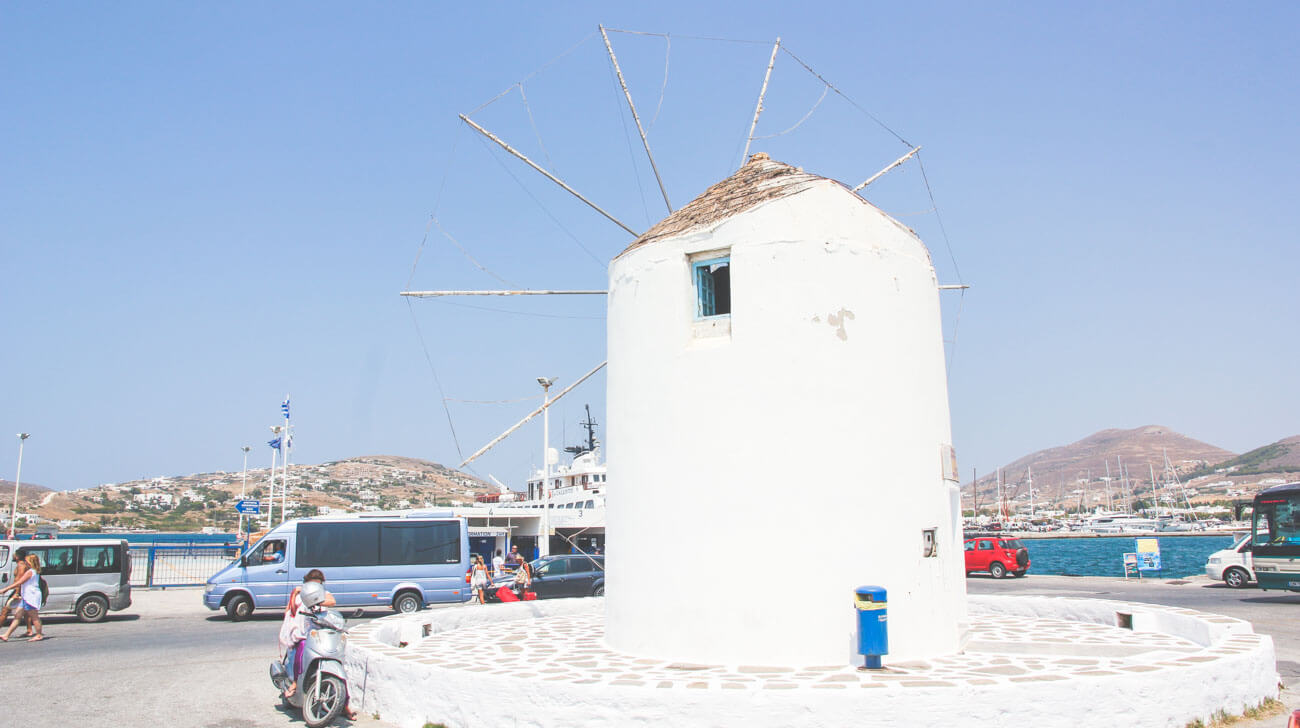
{"x": 1155, "y": 491}
{"x": 1029, "y": 477}
{"x": 1001, "y": 513}
{"x": 1108, "y": 505}
{"x": 1169, "y": 468}
{"x": 1123, "y": 483}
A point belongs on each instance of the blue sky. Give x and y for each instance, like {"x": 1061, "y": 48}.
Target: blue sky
{"x": 205, "y": 206}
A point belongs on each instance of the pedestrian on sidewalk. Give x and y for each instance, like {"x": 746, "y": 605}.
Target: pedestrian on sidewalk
{"x": 514, "y": 558}
{"x": 479, "y": 578}
{"x": 523, "y": 579}
{"x": 28, "y": 586}
{"x": 498, "y": 565}
{"x": 14, "y": 601}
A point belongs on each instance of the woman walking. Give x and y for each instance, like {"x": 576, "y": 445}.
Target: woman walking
{"x": 14, "y": 600}
{"x": 28, "y": 586}
{"x": 479, "y": 578}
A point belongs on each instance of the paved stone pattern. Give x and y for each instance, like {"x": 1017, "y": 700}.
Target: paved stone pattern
{"x": 1001, "y": 650}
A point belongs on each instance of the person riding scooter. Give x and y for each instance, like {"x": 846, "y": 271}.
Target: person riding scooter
{"x": 312, "y": 650}
{"x": 296, "y": 625}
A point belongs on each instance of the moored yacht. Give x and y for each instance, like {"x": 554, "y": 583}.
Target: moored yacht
{"x": 568, "y": 503}
{"x": 1103, "y": 522}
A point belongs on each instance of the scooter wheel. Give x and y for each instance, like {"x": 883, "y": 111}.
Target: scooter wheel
{"x": 320, "y": 707}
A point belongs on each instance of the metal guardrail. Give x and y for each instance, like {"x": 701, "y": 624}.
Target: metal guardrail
{"x": 188, "y": 565}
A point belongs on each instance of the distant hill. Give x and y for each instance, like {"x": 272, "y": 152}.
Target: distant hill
{"x": 1058, "y": 470}
{"x": 1282, "y": 456}
{"x": 192, "y": 502}
{"x": 28, "y": 493}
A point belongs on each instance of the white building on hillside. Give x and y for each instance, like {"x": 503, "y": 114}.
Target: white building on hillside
{"x": 779, "y": 429}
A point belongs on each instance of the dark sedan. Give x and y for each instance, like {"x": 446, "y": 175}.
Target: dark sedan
{"x": 569, "y": 575}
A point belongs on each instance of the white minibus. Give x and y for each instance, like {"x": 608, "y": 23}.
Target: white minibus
{"x": 400, "y": 560}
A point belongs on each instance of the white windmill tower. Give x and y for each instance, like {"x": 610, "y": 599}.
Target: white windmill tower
{"x": 775, "y": 298}
{"x": 778, "y": 297}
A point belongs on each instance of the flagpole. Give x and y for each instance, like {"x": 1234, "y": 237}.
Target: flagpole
{"x": 284, "y": 477}
{"x": 270, "y": 510}
{"x": 284, "y": 443}
{"x": 243, "y": 494}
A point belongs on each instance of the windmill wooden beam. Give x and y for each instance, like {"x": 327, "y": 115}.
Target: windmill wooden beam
{"x": 519, "y": 155}
{"x": 528, "y": 292}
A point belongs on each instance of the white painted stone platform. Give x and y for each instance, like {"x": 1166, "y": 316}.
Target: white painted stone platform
{"x": 1040, "y": 661}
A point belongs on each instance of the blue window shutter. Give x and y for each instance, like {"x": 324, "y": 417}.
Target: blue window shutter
{"x": 704, "y": 290}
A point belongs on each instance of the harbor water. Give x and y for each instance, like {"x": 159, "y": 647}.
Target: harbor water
{"x": 162, "y": 538}
{"x": 1180, "y": 556}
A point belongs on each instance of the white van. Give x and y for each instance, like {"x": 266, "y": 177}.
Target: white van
{"x": 86, "y": 577}
{"x": 403, "y": 560}
{"x": 1233, "y": 564}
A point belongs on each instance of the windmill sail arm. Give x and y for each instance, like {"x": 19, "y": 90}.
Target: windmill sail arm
{"x": 531, "y": 415}
{"x": 526, "y": 292}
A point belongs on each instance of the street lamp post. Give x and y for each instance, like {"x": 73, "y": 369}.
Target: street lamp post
{"x": 13, "y": 515}
{"x": 243, "y": 493}
{"x": 544, "y": 543}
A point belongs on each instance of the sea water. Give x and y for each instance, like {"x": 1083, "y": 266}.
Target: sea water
{"x": 160, "y": 538}
{"x": 1180, "y": 556}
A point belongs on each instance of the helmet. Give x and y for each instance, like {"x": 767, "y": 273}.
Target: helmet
{"x": 312, "y": 594}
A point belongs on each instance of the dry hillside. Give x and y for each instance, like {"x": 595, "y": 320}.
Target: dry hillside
{"x": 28, "y": 493}
{"x": 1282, "y": 456}
{"x": 191, "y": 502}
{"x": 1057, "y": 471}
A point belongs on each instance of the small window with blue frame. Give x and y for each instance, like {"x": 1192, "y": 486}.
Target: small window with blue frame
{"x": 712, "y": 287}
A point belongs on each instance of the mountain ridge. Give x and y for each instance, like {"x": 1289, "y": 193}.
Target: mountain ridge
{"x": 207, "y": 500}
{"x": 1087, "y": 473}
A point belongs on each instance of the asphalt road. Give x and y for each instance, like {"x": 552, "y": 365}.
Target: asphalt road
{"x": 168, "y": 662}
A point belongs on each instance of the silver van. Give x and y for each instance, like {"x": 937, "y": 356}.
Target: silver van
{"x": 86, "y": 577}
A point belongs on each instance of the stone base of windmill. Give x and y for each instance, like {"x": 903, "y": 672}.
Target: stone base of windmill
{"x": 1029, "y": 661}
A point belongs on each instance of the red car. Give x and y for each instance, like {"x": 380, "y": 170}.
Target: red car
{"x": 997, "y": 555}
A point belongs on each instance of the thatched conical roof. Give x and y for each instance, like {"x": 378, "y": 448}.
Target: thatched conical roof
{"x": 762, "y": 179}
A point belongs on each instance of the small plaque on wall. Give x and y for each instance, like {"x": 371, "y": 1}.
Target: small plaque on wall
{"x": 948, "y": 457}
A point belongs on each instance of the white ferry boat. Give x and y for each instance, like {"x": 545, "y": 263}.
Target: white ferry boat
{"x": 569, "y": 507}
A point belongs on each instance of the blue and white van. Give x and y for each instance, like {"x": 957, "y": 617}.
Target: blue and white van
{"x": 403, "y": 561}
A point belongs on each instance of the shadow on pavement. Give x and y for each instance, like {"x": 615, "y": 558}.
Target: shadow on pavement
{"x": 1280, "y": 599}
{"x": 268, "y": 616}
{"x": 72, "y": 618}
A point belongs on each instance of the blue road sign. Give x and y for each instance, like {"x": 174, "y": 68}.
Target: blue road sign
{"x": 249, "y": 507}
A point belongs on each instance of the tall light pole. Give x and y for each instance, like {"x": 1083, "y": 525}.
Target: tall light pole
{"x": 243, "y": 493}
{"x": 544, "y": 543}
{"x": 13, "y": 515}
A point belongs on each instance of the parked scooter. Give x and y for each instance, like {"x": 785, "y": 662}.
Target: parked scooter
{"x": 322, "y": 686}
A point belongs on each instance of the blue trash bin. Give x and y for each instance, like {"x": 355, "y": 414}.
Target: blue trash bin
{"x": 873, "y": 627}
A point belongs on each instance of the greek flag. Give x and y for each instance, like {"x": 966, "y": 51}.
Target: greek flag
{"x": 275, "y": 444}
{"x": 284, "y": 407}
